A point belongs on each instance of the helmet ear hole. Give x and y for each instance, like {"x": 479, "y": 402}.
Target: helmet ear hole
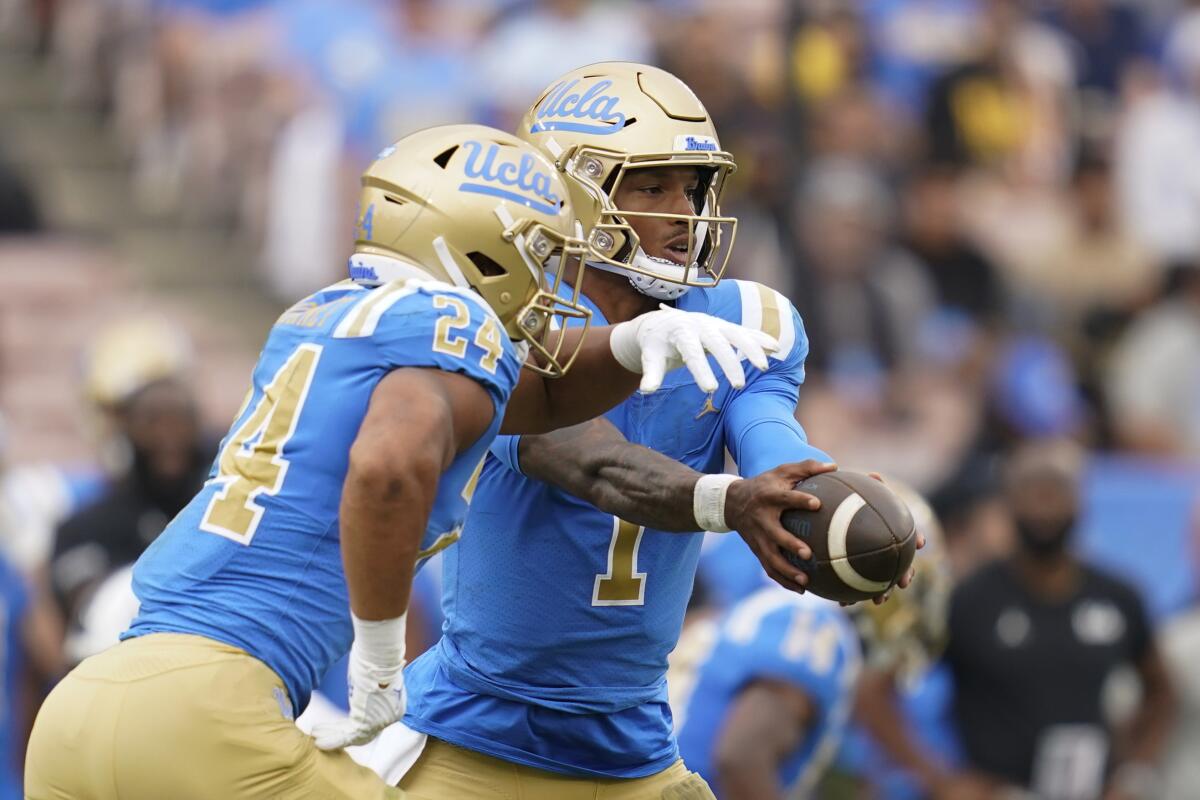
{"x": 487, "y": 266}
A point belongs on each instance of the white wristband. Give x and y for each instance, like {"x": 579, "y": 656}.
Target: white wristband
{"x": 622, "y": 341}
{"x": 380, "y": 643}
{"x": 708, "y": 502}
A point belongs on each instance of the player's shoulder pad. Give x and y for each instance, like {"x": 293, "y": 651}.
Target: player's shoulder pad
{"x": 426, "y": 323}
{"x": 399, "y": 301}
{"x": 760, "y": 307}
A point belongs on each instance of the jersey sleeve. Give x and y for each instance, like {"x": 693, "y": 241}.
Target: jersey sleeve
{"x": 439, "y": 327}
{"x": 761, "y": 429}
{"x": 504, "y": 450}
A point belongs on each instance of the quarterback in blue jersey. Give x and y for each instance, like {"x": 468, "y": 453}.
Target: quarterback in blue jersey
{"x": 761, "y": 696}
{"x": 353, "y": 458}
{"x": 569, "y": 588}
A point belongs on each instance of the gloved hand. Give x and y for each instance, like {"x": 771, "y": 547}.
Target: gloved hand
{"x": 376, "y": 678}
{"x": 660, "y": 341}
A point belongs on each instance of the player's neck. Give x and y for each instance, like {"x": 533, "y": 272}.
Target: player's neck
{"x": 616, "y": 298}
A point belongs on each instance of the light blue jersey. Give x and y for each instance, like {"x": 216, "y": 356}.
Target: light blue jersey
{"x": 254, "y": 560}
{"x": 777, "y": 635}
{"x": 559, "y": 617}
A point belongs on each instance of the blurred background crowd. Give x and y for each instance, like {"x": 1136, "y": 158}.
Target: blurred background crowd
{"x": 987, "y": 212}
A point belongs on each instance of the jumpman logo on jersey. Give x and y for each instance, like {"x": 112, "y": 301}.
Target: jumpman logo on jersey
{"x": 707, "y": 408}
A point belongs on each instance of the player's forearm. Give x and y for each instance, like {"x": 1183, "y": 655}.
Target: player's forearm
{"x": 878, "y": 711}
{"x": 762, "y": 430}
{"x": 746, "y": 772}
{"x": 768, "y": 721}
{"x": 751, "y": 781}
{"x": 595, "y": 383}
{"x": 770, "y": 442}
{"x": 383, "y": 515}
{"x": 594, "y": 462}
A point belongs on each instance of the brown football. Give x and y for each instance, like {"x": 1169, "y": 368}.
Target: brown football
{"x": 862, "y": 537}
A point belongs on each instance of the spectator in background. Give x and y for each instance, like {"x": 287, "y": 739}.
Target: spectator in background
{"x": 914, "y": 42}
{"x": 1153, "y": 380}
{"x": 18, "y": 210}
{"x": 1107, "y": 39}
{"x": 1158, "y": 174}
{"x": 875, "y": 394}
{"x": 1005, "y": 106}
{"x": 827, "y": 50}
{"x": 1095, "y": 274}
{"x": 966, "y": 281}
{"x": 163, "y": 456}
{"x": 1040, "y": 648}
{"x": 833, "y": 108}
{"x": 861, "y": 299}
{"x": 976, "y": 112}
{"x": 514, "y": 63}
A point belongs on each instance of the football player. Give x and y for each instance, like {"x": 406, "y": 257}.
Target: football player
{"x": 761, "y": 696}
{"x": 570, "y": 588}
{"x": 371, "y": 407}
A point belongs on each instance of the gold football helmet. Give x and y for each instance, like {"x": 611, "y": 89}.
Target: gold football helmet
{"x": 908, "y": 632}
{"x": 600, "y": 121}
{"x": 477, "y": 208}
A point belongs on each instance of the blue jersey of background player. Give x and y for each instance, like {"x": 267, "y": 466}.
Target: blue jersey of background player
{"x": 762, "y": 694}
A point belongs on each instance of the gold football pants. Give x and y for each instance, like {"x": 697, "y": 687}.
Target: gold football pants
{"x": 175, "y": 717}
{"x": 444, "y": 771}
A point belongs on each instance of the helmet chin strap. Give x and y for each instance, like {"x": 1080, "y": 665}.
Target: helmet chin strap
{"x": 658, "y": 288}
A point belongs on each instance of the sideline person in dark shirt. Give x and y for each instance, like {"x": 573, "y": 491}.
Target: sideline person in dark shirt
{"x": 1042, "y": 647}
{"x": 169, "y": 460}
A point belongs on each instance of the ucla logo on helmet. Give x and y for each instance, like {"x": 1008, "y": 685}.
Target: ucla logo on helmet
{"x": 522, "y": 181}
{"x": 593, "y": 111}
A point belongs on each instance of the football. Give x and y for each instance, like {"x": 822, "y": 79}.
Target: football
{"x": 863, "y": 538}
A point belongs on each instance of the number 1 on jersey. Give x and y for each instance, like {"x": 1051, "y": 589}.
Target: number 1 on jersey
{"x": 622, "y": 585}
{"x": 251, "y": 462}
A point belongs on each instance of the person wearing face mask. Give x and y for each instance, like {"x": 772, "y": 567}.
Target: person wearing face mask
{"x": 168, "y": 455}
{"x": 1048, "y": 654}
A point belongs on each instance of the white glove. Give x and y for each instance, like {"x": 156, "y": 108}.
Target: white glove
{"x": 376, "y": 678}
{"x": 660, "y": 341}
